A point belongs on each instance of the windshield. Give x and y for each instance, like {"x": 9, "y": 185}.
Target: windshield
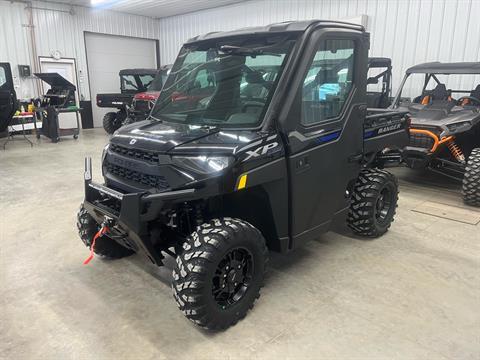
{"x": 425, "y": 88}
{"x": 223, "y": 85}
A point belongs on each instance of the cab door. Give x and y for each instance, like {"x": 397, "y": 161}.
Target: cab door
{"x": 325, "y": 140}
{"x": 8, "y": 98}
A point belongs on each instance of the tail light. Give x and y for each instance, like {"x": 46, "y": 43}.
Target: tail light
{"x": 146, "y": 97}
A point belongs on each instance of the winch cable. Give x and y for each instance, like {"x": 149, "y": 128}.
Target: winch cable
{"x": 103, "y": 230}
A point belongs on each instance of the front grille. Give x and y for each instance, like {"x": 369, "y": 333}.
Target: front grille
{"x": 152, "y": 181}
{"x": 421, "y": 141}
{"x": 135, "y": 153}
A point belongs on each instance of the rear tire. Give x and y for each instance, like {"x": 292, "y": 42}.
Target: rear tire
{"x": 112, "y": 122}
{"x": 471, "y": 179}
{"x": 374, "y": 203}
{"x": 218, "y": 276}
{"x": 104, "y": 246}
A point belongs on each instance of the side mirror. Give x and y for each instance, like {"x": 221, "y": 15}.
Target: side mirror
{"x": 372, "y": 80}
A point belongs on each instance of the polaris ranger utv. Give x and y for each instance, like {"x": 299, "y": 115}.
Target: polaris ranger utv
{"x": 445, "y": 131}
{"x": 218, "y": 175}
{"x": 143, "y": 102}
{"x": 132, "y": 81}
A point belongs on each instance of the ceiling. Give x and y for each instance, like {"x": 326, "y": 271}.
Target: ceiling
{"x": 151, "y": 8}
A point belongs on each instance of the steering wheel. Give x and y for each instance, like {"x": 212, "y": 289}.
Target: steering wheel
{"x": 471, "y": 98}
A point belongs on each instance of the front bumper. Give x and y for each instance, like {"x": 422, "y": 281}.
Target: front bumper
{"x": 132, "y": 212}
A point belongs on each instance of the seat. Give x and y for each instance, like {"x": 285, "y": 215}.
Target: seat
{"x": 257, "y": 86}
{"x": 474, "y": 93}
{"x": 440, "y": 93}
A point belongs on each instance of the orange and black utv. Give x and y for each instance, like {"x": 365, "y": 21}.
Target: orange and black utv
{"x": 445, "y": 123}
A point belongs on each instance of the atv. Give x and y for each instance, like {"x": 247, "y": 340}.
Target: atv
{"x": 445, "y": 124}
{"x": 260, "y": 141}
{"x": 132, "y": 81}
{"x": 143, "y": 102}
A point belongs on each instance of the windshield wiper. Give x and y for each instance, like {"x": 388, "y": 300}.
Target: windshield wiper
{"x": 238, "y": 50}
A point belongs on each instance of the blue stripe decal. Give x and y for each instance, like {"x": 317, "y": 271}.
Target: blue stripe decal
{"x": 329, "y": 137}
{"x": 368, "y": 134}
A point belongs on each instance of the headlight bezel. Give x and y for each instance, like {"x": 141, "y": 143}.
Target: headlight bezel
{"x": 203, "y": 164}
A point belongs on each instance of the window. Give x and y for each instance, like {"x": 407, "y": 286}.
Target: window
{"x": 328, "y": 81}
{"x": 146, "y": 80}
{"x": 3, "y": 76}
{"x": 129, "y": 83}
{"x": 226, "y": 85}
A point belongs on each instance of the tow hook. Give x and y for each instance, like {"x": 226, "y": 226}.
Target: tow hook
{"x": 107, "y": 223}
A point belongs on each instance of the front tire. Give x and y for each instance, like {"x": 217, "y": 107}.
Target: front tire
{"x": 218, "y": 276}
{"x": 104, "y": 245}
{"x": 471, "y": 179}
{"x": 374, "y": 203}
{"x": 112, "y": 122}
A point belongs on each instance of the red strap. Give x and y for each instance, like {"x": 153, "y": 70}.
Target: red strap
{"x": 99, "y": 233}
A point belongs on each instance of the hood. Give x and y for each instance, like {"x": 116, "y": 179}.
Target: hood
{"x": 440, "y": 116}
{"x": 55, "y": 80}
{"x": 165, "y": 137}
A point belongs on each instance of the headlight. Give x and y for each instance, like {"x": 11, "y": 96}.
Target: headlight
{"x": 464, "y": 125}
{"x": 104, "y": 152}
{"x": 203, "y": 164}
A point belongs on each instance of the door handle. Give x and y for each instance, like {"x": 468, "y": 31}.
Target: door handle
{"x": 302, "y": 164}
{"x": 355, "y": 158}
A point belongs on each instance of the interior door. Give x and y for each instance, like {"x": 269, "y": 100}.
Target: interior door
{"x": 8, "y": 97}
{"x": 66, "y": 68}
{"x": 327, "y": 141}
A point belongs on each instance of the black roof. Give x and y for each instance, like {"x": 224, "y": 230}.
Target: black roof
{"x": 446, "y": 68}
{"x": 55, "y": 80}
{"x": 138, "y": 72}
{"x": 374, "y": 62}
{"x": 288, "y": 26}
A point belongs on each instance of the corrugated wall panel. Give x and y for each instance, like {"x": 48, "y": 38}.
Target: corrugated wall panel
{"x": 14, "y": 43}
{"x": 58, "y": 29}
{"x": 408, "y": 31}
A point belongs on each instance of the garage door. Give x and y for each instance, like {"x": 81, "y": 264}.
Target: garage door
{"x": 106, "y": 56}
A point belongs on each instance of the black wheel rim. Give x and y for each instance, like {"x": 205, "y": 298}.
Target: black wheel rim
{"x": 233, "y": 277}
{"x": 383, "y": 205}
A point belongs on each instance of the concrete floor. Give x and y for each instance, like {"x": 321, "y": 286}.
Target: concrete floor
{"x": 414, "y": 293}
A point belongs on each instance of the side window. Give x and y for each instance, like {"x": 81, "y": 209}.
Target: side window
{"x": 3, "y": 76}
{"x": 328, "y": 81}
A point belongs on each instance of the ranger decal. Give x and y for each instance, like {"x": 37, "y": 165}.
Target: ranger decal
{"x": 389, "y": 128}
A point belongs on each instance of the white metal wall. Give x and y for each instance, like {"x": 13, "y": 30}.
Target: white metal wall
{"x": 63, "y": 31}
{"x": 408, "y": 31}
{"x": 14, "y": 46}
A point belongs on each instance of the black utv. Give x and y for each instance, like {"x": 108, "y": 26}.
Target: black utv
{"x": 8, "y": 98}
{"x": 132, "y": 81}
{"x": 247, "y": 150}
{"x": 445, "y": 123}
